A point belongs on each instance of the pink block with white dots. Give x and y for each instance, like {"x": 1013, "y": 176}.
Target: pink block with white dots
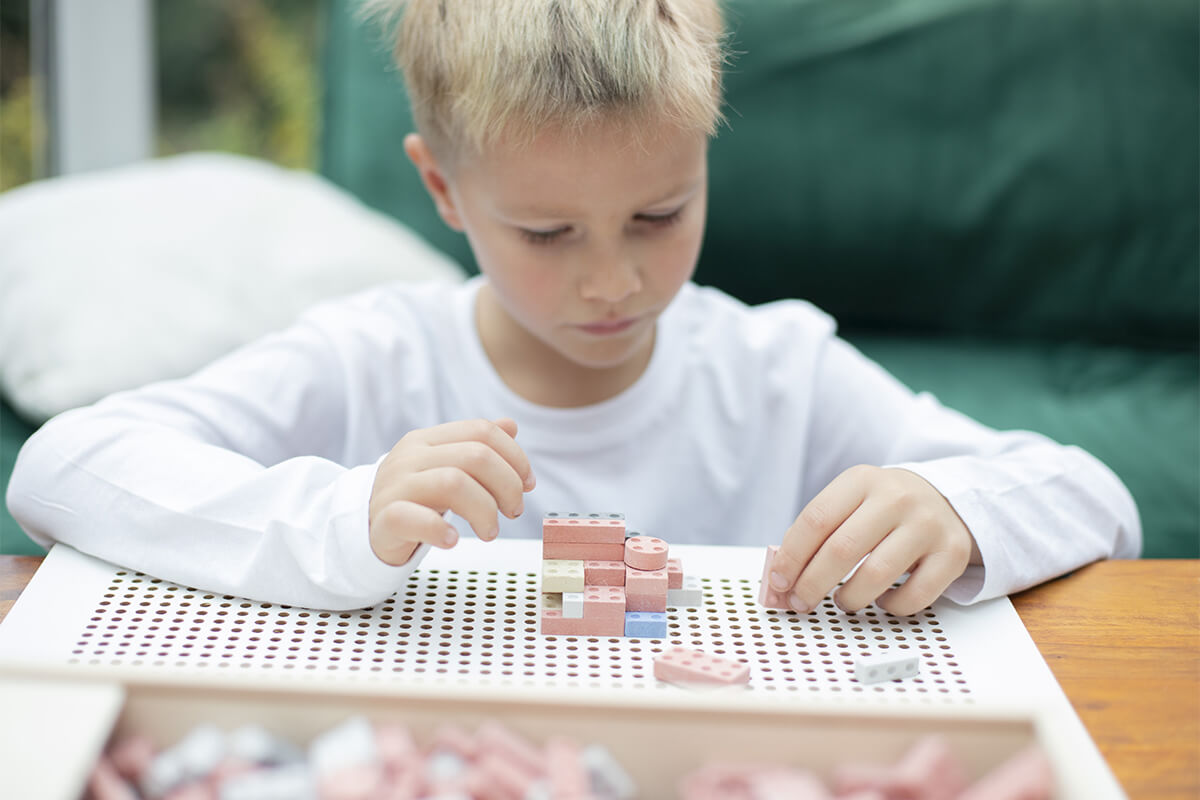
{"x": 681, "y": 665}
{"x": 646, "y": 552}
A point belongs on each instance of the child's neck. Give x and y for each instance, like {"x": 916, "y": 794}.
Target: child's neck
{"x": 540, "y": 374}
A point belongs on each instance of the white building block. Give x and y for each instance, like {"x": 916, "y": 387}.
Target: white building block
{"x": 562, "y": 575}
{"x": 572, "y": 605}
{"x": 690, "y": 595}
{"x": 350, "y": 744}
{"x": 886, "y": 666}
{"x": 608, "y": 777}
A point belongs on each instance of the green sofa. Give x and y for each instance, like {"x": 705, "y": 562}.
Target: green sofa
{"x": 997, "y": 199}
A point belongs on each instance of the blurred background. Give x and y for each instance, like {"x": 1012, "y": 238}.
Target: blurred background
{"x": 238, "y": 76}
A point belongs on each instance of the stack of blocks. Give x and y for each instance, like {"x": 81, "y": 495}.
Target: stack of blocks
{"x": 599, "y": 580}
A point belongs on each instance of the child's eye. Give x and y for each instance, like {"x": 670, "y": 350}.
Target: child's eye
{"x": 661, "y": 220}
{"x": 542, "y": 237}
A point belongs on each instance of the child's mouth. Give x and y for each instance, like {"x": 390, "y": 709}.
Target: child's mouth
{"x": 608, "y": 327}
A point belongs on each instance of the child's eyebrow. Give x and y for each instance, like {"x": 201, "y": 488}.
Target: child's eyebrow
{"x": 676, "y": 195}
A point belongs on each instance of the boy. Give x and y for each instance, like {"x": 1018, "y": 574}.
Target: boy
{"x": 567, "y": 140}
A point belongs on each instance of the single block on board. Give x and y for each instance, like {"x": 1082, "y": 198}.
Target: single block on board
{"x": 572, "y": 605}
{"x": 568, "y": 527}
{"x": 886, "y": 666}
{"x": 681, "y": 665}
{"x": 689, "y": 595}
{"x": 647, "y": 624}
{"x": 588, "y": 551}
{"x": 646, "y": 552}
{"x": 674, "y": 573}
{"x": 603, "y": 573}
{"x": 767, "y": 596}
{"x": 562, "y": 575}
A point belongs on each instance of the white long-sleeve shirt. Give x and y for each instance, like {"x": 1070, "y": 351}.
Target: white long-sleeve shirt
{"x": 253, "y": 476}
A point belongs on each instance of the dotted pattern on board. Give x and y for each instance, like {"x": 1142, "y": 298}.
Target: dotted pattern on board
{"x": 481, "y": 628}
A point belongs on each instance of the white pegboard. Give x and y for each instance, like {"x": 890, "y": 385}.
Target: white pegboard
{"x": 482, "y": 627}
{"x": 470, "y": 616}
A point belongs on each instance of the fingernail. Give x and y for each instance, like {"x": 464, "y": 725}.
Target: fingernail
{"x": 797, "y": 604}
{"x": 530, "y": 482}
{"x": 493, "y": 533}
{"x": 778, "y": 581}
{"x": 520, "y": 509}
{"x": 451, "y": 537}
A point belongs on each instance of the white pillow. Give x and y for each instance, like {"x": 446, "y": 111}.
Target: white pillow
{"x": 113, "y": 279}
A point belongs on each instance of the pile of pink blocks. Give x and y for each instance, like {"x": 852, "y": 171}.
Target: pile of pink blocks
{"x": 929, "y": 770}
{"x": 359, "y": 760}
{"x": 599, "y": 580}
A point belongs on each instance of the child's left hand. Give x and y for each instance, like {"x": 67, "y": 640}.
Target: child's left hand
{"x": 893, "y": 517}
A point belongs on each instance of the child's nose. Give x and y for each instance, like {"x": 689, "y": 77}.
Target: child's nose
{"x": 611, "y": 280}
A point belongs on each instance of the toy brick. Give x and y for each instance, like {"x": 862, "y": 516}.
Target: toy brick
{"x": 1026, "y": 774}
{"x": 767, "y": 596}
{"x": 690, "y": 595}
{"x": 286, "y": 780}
{"x": 603, "y": 573}
{"x": 497, "y": 777}
{"x": 645, "y": 590}
{"x": 609, "y": 779}
{"x": 605, "y": 602}
{"x": 681, "y": 665}
{"x": 646, "y": 624}
{"x": 346, "y": 783}
{"x": 930, "y": 769}
{"x": 583, "y": 528}
{"x": 562, "y": 575}
{"x": 674, "y": 573}
{"x": 495, "y": 737}
{"x": 453, "y": 739}
{"x": 566, "y": 775}
{"x": 552, "y": 600}
{"x": 646, "y": 552}
{"x": 583, "y": 550}
{"x": 886, "y": 666}
{"x": 106, "y": 783}
{"x": 572, "y": 605}
{"x": 554, "y": 624}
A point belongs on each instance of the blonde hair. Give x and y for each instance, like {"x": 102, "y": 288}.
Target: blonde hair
{"x": 478, "y": 70}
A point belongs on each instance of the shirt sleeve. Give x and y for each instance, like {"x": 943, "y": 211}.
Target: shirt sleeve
{"x": 250, "y": 478}
{"x": 1037, "y": 509}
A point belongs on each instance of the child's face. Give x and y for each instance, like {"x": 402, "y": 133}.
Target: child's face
{"x": 584, "y": 240}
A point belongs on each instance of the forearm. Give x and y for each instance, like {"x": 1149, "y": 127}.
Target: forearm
{"x": 166, "y": 503}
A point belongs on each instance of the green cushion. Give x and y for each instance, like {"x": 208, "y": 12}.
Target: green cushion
{"x": 13, "y": 432}
{"x": 984, "y": 167}
{"x": 1138, "y": 413}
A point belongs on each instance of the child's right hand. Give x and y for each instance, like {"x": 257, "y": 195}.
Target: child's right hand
{"x": 474, "y": 468}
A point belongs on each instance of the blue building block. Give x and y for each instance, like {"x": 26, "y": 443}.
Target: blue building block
{"x": 651, "y": 624}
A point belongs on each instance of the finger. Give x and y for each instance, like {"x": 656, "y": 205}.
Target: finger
{"x": 451, "y": 489}
{"x": 890, "y": 559}
{"x": 399, "y": 527}
{"x": 821, "y": 517}
{"x": 838, "y": 554}
{"x": 496, "y": 435}
{"x": 485, "y": 466}
{"x": 926, "y": 584}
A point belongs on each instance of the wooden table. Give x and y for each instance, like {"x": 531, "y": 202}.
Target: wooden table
{"x": 1123, "y": 640}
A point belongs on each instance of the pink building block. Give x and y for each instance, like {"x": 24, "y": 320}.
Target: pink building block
{"x": 928, "y": 769}
{"x": 681, "y": 665}
{"x": 1026, "y": 776}
{"x": 767, "y": 596}
{"x": 646, "y": 552}
{"x": 674, "y": 573}
{"x": 587, "y": 551}
{"x": 604, "y": 573}
{"x": 583, "y": 528}
{"x": 646, "y": 590}
{"x": 603, "y": 615}
{"x": 566, "y": 774}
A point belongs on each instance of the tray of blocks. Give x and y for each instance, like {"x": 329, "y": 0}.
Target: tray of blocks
{"x": 315, "y": 729}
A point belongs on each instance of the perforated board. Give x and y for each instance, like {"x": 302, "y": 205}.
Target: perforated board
{"x": 470, "y": 616}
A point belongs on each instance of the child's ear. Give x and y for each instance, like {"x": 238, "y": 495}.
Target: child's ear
{"x": 434, "y": 179}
